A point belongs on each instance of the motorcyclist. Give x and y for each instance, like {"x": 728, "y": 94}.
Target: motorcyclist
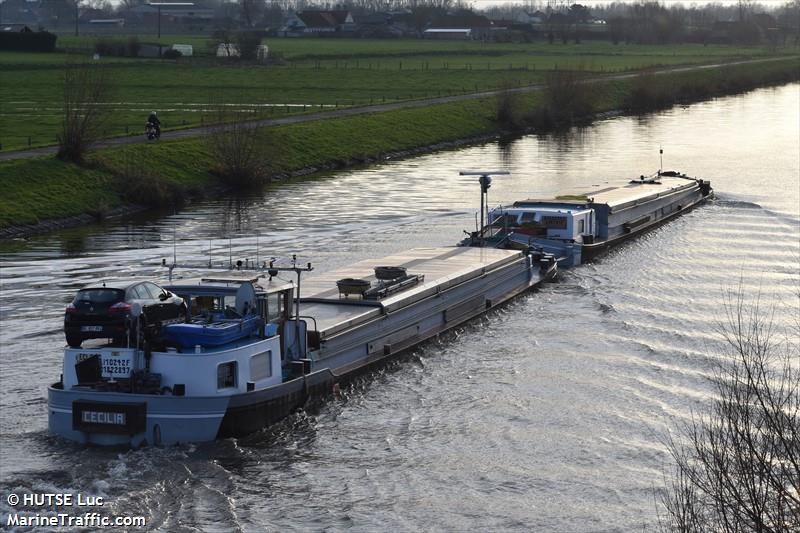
{"x": 153, "y": 119}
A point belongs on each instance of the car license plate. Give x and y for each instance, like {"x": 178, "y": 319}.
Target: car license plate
{"x": 91, "y": 328}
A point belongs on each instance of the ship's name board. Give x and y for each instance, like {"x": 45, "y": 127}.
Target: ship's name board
{"x": 103, "y": 417}
{"x": 109, "y": 417}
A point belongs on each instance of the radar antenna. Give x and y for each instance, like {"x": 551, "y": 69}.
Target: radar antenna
{"x": 485, "y": 181}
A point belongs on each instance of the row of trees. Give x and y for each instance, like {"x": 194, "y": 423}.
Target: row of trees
{"x": 653, "y": 22}
{"x": 672, "y": 17}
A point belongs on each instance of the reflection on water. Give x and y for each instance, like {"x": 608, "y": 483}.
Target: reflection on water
{"x": 545, "y": 415}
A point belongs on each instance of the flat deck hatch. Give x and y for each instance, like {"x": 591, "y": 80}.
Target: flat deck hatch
{"x": 441, "y": 267}
{"x": 616, "y": 197}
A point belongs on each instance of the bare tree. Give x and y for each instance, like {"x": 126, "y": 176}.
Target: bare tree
{"x": 509, "y": 112}
{"x": 240, "y": 148}
{"x": 251, "y": 11}
{"x": 738, "y": 465}
{"x": 84, "y": 113}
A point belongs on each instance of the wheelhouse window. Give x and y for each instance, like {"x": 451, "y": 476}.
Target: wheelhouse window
{"x": 581, "y": 225}
{"x": 261, "y": 366}
{"x": 226, "y": 375}
{"x": 274, "y": 306}
{"x": 554, "y": 222}
{"x": 505, "y": 220}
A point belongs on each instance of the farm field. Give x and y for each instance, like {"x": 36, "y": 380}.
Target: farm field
{"x": 314, "y": 74}
{"x": 158, "y": 174}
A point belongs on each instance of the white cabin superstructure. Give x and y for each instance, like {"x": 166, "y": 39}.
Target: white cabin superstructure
{"x": 578, "y": 224}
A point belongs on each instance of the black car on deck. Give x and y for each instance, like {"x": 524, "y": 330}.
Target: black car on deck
{"x": 103, "y": 310}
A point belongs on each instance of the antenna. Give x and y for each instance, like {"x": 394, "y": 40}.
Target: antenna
{"x": 297, "y": 269}
{"x": 661, "y": 159}
{"x": 485, "y": 181}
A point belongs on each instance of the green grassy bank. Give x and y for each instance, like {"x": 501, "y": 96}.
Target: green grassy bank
{"x": 45, "y": 188}
{"x": 311, "y": 73}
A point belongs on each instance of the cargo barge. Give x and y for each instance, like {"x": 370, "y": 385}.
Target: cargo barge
{"x": 255, "y": 347}
{"x": 579, "y": 225}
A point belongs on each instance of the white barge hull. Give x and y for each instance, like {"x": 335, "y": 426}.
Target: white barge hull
{"x": 345, "y": 337}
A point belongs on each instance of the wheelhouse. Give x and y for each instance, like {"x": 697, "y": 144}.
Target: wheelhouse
{"x": 567, "y": 223}
{"x": 268, "y": 298}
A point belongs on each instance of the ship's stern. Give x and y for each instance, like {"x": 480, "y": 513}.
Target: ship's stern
{"x": 132, "y": 420}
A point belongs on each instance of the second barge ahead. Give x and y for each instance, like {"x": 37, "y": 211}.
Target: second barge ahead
{"x": 578, "y": 225}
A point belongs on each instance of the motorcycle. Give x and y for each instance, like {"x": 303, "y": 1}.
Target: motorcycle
{"x": 152, "y": 131}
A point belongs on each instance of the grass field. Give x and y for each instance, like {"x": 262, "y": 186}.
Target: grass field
{"x": 317, "y": 72}
{"x": 45, "y": 188}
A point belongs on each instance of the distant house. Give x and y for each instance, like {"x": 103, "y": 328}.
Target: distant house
{"x": 479, "y": 26}
{"x": 764, "y": 21}
{"x": 318, "y": 22}
{"x": 17, "y": 12}
{"x": 89, "y": 13}
{"x": 117, "y": 23}
{"x": 170, "y": 15}
{"x": 379, "y": 24}
{"x": 536, "y": 17}
{"x": 407, "y": 23}
{"x": 447, "y": 33}
{"x": 510, "y": 30}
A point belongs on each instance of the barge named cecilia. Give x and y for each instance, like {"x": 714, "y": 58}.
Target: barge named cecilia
{"x": 254, "y": 348}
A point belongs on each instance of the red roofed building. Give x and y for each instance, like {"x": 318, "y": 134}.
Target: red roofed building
{"x": 318, "y": 22}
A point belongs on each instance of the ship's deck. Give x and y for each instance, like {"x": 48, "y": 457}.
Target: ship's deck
{"x": 442, "y": 268}
{"x": 617, "y": 194}
{"x": 619, "y": 197}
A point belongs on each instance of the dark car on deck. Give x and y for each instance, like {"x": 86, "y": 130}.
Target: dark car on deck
{"x": 103, "y": 310}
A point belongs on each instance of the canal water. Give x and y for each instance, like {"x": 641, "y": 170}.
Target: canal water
{"x": 549, "y": 414}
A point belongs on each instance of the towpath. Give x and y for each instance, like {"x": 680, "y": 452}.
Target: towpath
{"x": 379, "y": 108}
